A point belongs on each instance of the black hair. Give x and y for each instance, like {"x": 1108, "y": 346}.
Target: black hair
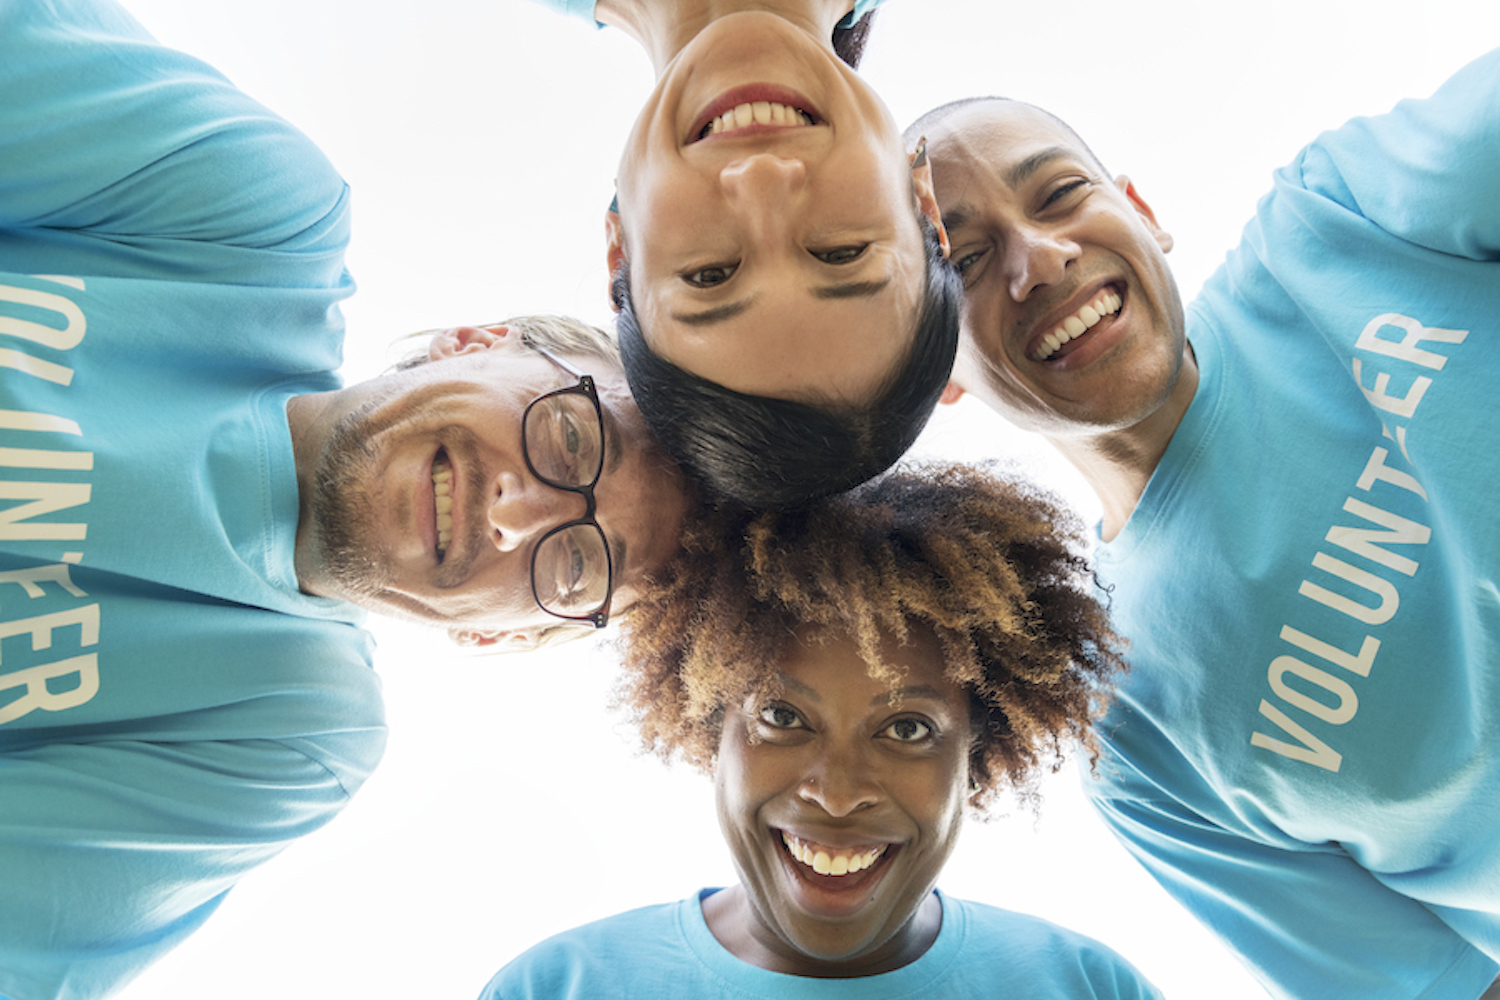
{"x": 763, "y": 452}
{"x": 850, "y": 37}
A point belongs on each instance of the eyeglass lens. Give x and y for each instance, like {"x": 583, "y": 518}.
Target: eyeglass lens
{"x": 565, "y": 443}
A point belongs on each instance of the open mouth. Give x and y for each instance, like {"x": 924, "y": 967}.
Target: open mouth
{"x": 755, "y": 108}
{"x": 1054, "y": 345}
{"x": 836, "y": 881}
{"x": 442, "y": 501}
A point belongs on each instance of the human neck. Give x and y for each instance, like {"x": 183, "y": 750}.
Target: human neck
{"x": 1118, "y": 464}
{"x": 663, "y": 27}
{"x": 734, "y": 924}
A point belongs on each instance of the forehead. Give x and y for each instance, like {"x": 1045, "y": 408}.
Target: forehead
{"x": 826, "y": 663}
{"x": 997, "y": 134}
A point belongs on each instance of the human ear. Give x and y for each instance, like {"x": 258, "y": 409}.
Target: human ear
{"x": 921, "y": 183}
{"x": 465, "y": 340}
{"x": 1163, "y": 238}
{"x": 952, "y": 393}
{"x": 614, "y": 253}
{"x": 500, "y": 640}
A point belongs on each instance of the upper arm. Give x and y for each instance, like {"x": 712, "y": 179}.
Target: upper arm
{"x": 1427, "y": 171}
{"x": 111, "y": 853}
{"x": 1308, "y": 923}
{"x": 104, "y": 131}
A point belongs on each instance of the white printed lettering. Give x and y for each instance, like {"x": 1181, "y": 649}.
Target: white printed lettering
{"x": 1376, "y": 471}
{"x": 45, "y": 498}
{"x": 31, "y": 578}
{"x": 38, "y": 696}
{"x": 1308, "y": 749}
{"x": 1406, "y": 349}
{"x": 1366, "y": 541}
{"x": 1348, "y": 701}
{"x": 1358, "y": 663}
{"x": 41, "y": 627}
{"x": 1382, "y": 589}
{"x": 62, "y": 340}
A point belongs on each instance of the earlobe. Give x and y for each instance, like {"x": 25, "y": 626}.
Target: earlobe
{"x": 614, "y": 254}
{"x": 1163, "y": 238}
{"x": 465, "y": 340}
{"x": 952, "y": 393}
{"x": 921, "y": 183}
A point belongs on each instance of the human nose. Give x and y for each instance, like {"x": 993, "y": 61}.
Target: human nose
{"x": 840, "y": 781}
{"x": 762, "y": 188}
{"x": 1036, "y": 257}
{"x": 520, "y": 512}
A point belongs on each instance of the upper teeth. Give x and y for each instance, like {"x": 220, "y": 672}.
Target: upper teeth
{"x": 442, "y": 500}
{"x": 830, "y": 860}
{"x": 757, "y": 113}
{"x": 1107, "y": 302}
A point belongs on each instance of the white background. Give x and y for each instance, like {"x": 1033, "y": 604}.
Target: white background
{"x": 480, "y": 137}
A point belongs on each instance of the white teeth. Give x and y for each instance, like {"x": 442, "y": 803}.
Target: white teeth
{"x": 442, "y": 489}
{"x": 827, "y": 860}
{"x": 758, "y": 113}
{"x": 1106, "y": 304}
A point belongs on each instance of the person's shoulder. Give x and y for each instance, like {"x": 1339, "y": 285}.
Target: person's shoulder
{"x": 595, "y": 960}
{"x": 1049, "y": 959}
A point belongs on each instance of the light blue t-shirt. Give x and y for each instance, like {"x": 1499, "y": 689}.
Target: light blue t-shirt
{"x": 173, "y": 712}
{"x": 1307, "y": 750}
{"x": 667, "y": 952}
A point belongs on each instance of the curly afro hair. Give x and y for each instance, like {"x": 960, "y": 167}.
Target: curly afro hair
{"x": 995, "y": 567}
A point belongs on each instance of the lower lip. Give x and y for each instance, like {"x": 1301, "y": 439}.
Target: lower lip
{"x": 833, "y": 896}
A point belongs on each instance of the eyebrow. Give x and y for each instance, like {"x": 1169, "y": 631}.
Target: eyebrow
{"x": 910, "y": 691}
{"x": 715, "y": 315}
{"x": 845, "y": 290}
{"x": 1017, "y": 173}
{"x": 852, "y": 289}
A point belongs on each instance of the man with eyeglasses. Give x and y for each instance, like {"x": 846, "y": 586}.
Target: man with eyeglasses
{"x": 466, "y": 491}
{"x": 191, "y": 506}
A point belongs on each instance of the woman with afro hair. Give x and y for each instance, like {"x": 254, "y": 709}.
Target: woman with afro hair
{"x": 855, "y": 674}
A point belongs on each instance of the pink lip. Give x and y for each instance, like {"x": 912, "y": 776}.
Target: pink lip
{"x": 749, "y": 94}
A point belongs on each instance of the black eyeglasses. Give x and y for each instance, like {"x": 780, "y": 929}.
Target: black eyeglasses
{"x": 562, "y": 440}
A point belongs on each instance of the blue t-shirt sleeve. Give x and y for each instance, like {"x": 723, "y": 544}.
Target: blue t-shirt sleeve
{"x": 1308, "y": 923}
{"x": 1428, "y": 171}
{"x": 107, "y": 135}
{"x": 112, "y": 852}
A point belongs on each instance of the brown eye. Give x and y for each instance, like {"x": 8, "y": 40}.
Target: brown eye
{"x": 779, "y": 717}
{"x": 908, "y": 731}
{"x": 840, "y": 255}
{"x": 1058, "y": 194}
{"x": 708, "y": 277}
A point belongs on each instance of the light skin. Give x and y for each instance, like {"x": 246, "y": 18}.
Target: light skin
{"x": 373, "y": 446}
{"x": 1039, "y": 231}
{"x": 833, "y": 762}
{"x": 780, "y": 259}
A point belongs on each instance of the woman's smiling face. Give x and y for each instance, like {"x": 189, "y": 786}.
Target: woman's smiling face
{"x": 841, "y": 808}
{"x": 769, "y": 216}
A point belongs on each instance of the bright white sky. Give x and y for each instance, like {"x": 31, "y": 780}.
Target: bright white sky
{"x": 480, "y": 137}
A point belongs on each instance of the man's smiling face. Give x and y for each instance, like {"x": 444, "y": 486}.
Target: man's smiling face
{"x": 1073, "y": 322}
{"x": 417, "y": 500}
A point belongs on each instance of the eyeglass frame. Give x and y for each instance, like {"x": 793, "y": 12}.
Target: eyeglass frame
{"x": 600, "y": 616}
